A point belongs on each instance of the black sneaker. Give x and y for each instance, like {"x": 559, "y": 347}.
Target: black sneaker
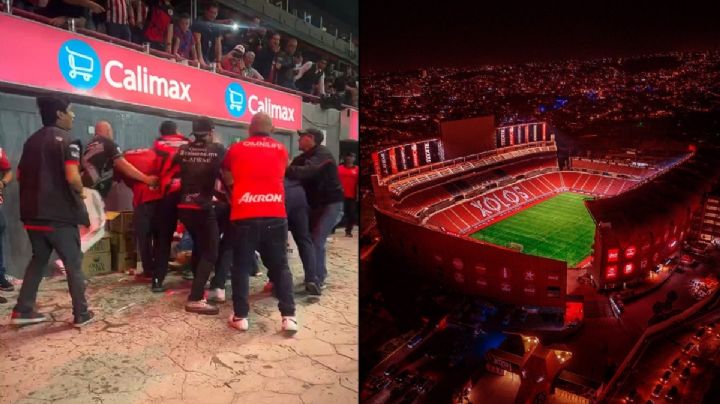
{"x": 201, "y": 307}
{"x": 348, "y": 235}
{"x": 5, "y": 285}
{"x": 84, "y": 319}
{"x": 29, "y": 318}
{"x": 157, "y": 286}
{"x": 313, "y": 289}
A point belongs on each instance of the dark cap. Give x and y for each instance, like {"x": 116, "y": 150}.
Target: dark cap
{"x": 203, "y": 125}
{"x": 315, "y": 133}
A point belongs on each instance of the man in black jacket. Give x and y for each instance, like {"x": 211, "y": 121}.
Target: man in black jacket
{"x": 51, "y": 207}
{"x": 317, "y": 169}
{"x": 200, "y": 163}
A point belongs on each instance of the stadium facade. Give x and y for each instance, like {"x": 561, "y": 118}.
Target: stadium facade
{"x": 428, "y": 207}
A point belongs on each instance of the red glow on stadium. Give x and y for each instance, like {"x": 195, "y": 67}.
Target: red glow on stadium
{"x": 613, "y": 254}
{"x": 630, "y": 252}
{"x": 628, "y": 268}
{"x": 611, "y": 272}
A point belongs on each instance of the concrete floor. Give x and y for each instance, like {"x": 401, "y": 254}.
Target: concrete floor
{"x": 145, "y": 348}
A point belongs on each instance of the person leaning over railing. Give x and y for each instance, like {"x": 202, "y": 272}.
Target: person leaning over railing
{"x": 158, "y": 26}
{"x": 183, "y": 39}
{"x": 69, "y": 13}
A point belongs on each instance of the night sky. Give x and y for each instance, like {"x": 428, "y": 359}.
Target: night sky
{"x": 398, "y": 35}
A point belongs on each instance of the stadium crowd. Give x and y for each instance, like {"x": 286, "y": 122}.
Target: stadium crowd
{"x": 239, "y": 45}
{"x": 234, "y": 204}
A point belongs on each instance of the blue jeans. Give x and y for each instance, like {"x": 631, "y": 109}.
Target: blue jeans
{"x": 322, "y": 221}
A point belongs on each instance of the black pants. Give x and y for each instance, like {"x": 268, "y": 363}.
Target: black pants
{"x": 268, "y": 235}
{"x": 350, "y": 212}
{"x": 299, "y": 224}
{"x": 225, "y": 253}
{"x": 146, "y": 234}
{"x": 65, "y": 239}
{"x": 166, "y": 215}
{"x": 120, "y": 31}
{"x": 203, "y": 228}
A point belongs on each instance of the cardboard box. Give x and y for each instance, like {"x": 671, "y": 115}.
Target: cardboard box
{"x": 123, "y": 242}
{"x": 119, "y": 222}
{"x": 123, "y": 261}
{"x": 96, "y": 263}
{"x": 102, "y": 246}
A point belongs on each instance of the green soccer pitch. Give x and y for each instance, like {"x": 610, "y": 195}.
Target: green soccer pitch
{"x": 560, "y": 228}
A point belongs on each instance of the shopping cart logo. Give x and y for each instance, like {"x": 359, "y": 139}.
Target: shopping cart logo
{"x": 79, "y": 64}
{"x": 235, "y": 100}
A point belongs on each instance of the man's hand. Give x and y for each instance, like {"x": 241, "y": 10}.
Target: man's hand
{"x": 58, "y": 21}
{"x": 95, "y": 8}
{"x": 82, "y": 194}
{"x": 152, "y": 180}
{"x": 2, "y": 185}
{"x": 278, "y": 65}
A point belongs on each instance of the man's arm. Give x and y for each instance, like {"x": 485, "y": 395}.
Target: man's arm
{"x": 72, "y": 175}
{"x": 130, "y": 171}
{"x": 311, "y": 169}
{"x": 321, "y": 84}
{"x": 94, "y": 7}
{"x": 218, "y": 47}
{"x": 169, "y": 38}
{"x": 198, "y": 48}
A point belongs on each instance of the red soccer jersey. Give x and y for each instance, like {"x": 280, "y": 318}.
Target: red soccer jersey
{"x": 349, "y": 180}
{"x": 258, "y": 166}
{"x": 144, "y": 161}
{"x": 165, "y": 149}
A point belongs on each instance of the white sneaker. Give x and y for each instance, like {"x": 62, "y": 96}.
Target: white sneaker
{"x": 289, "y": 324}
{"x": 241, "y": 323}
{"x": 216, "y": 295}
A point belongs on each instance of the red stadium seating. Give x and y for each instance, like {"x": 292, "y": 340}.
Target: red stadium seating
{"x": 609, "y": 167}
{"x": 471, "y": 214}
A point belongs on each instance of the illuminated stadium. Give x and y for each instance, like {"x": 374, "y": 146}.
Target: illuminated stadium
{"x": 493, "y": 212}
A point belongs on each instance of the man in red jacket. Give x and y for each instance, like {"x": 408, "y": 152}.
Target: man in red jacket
{"x": 165, "y": 147}
{"x": 145, "y": 203}
{"x": 256, "y": 169}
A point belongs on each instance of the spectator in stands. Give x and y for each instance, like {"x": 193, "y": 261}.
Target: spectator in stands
{"x": 285, "y": 65}
{"x": 266, "y": 58}
{"x": 317, "y": 169}
{"x": 158, "y": 28}
{"x": 208, "y": 36}
{"x": 252, "y": 36}
{"x": 233, "y": 61}
{"x": 5, "y": 178}
{"x": 233, "y": 35}
{"x": 249, "y": 71}
{"x": 61, "y": 12}
{"x": 52, "y": 209}
{"x": 349, "y": 174}
{"x": 183, "y": 39}
{"x": 311, "y": 78}
{"x": 342, "y": 93}
{"x": 140, "y": 10}
{"x": 100, "y": 158}
{"x": 97, "y": 21}
{"x": 120, "y": 16}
